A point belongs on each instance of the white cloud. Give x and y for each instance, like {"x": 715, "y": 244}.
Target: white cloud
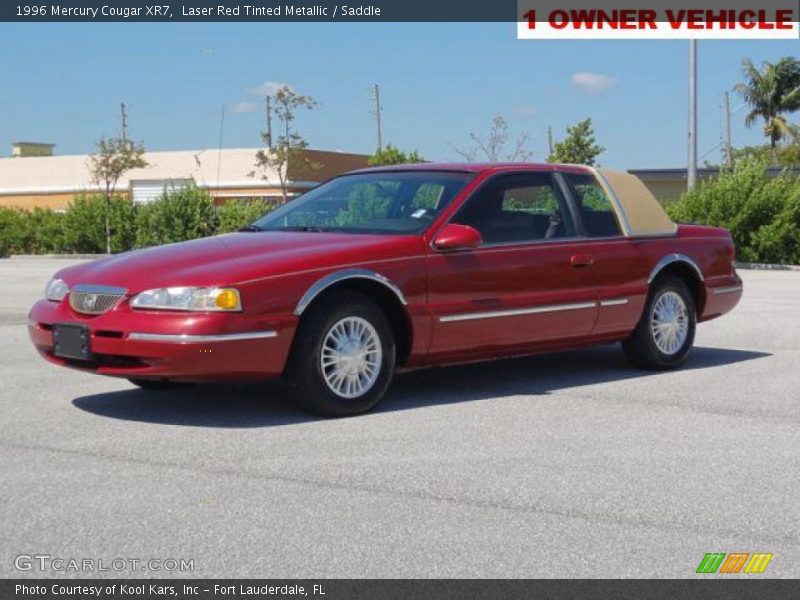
{"x": 244, "y": 107}
{"x": 593, "y": 84}
{"x": 268, "y": 88}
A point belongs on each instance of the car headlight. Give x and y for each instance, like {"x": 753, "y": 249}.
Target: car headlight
{"x": 189, "y": 298}
{"x": 56, "y": 290}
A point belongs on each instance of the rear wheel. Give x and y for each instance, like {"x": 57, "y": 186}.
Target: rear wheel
{"x": 665, "y": 334}
{"x": 343, "y": 356}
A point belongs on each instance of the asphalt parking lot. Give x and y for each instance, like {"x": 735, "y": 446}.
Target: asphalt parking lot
{"x": 572, "y": 465}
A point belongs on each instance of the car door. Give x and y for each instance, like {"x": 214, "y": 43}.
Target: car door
{"x": 619, "y": 267}
{"x": 525, "y": 285}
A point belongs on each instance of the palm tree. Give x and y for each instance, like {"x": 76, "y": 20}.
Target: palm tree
{"x": 772, "y": 93}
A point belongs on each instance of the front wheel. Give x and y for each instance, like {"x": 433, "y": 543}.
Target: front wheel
{"x": 665, "y": 334}
{"x": 343, "y": 356}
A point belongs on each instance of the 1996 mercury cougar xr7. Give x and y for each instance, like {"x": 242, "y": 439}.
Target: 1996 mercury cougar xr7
{"x": 407, "y": 266}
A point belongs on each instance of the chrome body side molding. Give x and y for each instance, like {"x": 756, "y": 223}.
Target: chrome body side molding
{"x": 183, "y": 338}
{"x": 333, "y": 278}
{"x": 614, "y": 302}
{"x": 727, "y": 290}
{"x": 515, "y": 312}
{"x": 674, "y": 258}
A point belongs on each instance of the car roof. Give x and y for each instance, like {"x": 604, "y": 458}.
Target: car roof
{"x": 477, "y": 167}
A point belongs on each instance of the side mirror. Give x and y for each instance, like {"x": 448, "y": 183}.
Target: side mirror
{"x": 457, "y": 237}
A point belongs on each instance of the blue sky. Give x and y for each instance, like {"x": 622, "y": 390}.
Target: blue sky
{"x": 63, "y": 83}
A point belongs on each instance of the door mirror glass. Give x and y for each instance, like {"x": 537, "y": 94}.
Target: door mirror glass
{"x": 457, "y": 237}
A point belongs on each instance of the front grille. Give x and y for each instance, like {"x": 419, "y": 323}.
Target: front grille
{"x": 95, "y": 299}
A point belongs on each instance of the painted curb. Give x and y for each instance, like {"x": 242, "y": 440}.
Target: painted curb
{"x": 64, "y": 256}
{"x": 766, "y": 267}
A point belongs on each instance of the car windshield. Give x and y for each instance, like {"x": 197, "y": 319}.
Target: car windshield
{"x": 390, "y": 202}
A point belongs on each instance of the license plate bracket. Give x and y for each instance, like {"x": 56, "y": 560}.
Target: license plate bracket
{"x": 72, "y": 341}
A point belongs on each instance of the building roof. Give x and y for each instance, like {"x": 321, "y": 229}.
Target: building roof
{"x": 209, "y": 168}
{"x": 45, "y": 144}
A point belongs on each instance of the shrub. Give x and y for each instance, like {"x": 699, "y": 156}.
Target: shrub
{"x": 779, "y": 241}
{"x": 754, "y": 207}
{"x": 179, "y": 214}
{"x": 86, "y": 224}
{"x": 12, "y": 231}
{"x": 237, "y": 213}
{"x": 44, "y": 231}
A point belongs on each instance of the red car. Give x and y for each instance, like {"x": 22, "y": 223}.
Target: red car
{"x": 407, "y": 266}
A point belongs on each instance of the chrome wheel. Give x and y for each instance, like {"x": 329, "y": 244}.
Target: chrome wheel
{"x": 669, "y": 322}
{"x": 351, "y": 357}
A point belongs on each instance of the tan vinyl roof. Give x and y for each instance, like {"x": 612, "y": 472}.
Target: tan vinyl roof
{"x": 641, "y": 214}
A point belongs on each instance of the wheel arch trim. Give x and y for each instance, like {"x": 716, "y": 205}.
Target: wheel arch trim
{"x": 671, "y": 259}
{"x": 324, "y": 283}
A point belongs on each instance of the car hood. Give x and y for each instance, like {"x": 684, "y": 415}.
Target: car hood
{"x": 238, "y": 257}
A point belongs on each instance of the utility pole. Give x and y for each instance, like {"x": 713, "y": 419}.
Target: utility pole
{"x": 691, "y": 171}
{"x": 376, "y": 92}
{"x": 268, "y": 116}
{"x": 124, "y": 115}
{"x": 550, "y": 140}
{"x": 219, "y": 147}
{"x": 726, "y": 107}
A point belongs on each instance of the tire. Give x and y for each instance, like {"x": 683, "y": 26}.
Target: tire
{"x": 645, "y": 348}
{"x": 156, "y": 384}
{"x": 343, "y": 356}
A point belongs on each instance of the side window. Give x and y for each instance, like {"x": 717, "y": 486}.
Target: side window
{"x": 595, "y": 209}
{"x": 518, "y": 208}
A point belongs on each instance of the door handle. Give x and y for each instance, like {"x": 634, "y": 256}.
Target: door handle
{"x": 582, "y": 261}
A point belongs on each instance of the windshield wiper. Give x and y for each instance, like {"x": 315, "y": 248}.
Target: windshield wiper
{"x": 302, "y": 228}
{"x": 250, "y": 228}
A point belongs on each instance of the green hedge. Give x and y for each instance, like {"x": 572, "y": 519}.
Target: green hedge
{"x": 237, "y": 213}
{"x": 184, "y": 214}
{"x": 178, "y": 215}
{"x": 761, "y": 212}
{"x": 85, "y": 222}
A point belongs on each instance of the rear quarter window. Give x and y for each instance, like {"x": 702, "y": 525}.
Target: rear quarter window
{"x": 594, "y": 208}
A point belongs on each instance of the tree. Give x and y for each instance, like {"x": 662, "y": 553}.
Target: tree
{"x": 391, "y": 155}
{"x": 289, "y": 146}
{"x": 114, "y": 158}
{"x": 579, "y": 147}
{"x": 788, "y": 155}
{"x": 493, "y": 145}
{"x": 772, "y": 93}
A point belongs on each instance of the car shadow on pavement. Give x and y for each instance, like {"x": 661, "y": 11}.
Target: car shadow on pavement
{"x": 267, "y": 404}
